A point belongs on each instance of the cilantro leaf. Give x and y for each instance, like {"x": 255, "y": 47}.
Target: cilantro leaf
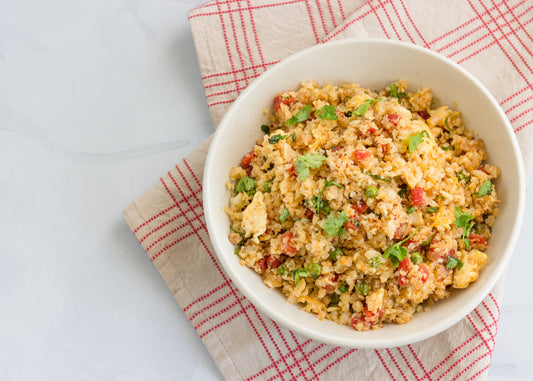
{"x": 284, "y": 215}
{"x": 301, "y": 116}
{"x": 282, "y": 269}
{"x": 410, "y": 210}
{"x": 393, "y": 92}
{"x": 334, "y": 225}
{"x": 300, "y": 273}
{"x": 343, "y": 287}
{"x": 397, "y": 252}
{"x": 415, "y": 140}
{"x": 304, "y": 162}
{"x": 433, "y": 209}
{"x": 332, "y": 183}
{"x": 327, "y": 112}
{"x": 453, "y": 263}
{"x": 363, "y": 108}
{"x": 265, "y": 129}
{"x": 446, "y": 120}
{"x": 247, "y": 185}
{"x": 378, "y": 177}
{"x": 462, "y": 177}
{"x": 276, "y": 138}
{"x": 485, "y": 189}
{"x": 464, "y": 221}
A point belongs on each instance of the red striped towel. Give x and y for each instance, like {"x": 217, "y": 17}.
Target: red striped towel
{"x": 237, "y": 40}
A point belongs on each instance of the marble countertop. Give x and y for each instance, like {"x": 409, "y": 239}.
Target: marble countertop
{"x": 98, "y": 99}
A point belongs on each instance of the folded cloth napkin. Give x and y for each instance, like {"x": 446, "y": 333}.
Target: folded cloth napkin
{"x": 237, "y": 40}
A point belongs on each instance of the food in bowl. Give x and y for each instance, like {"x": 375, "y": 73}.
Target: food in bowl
{"x": 363, "y": 206}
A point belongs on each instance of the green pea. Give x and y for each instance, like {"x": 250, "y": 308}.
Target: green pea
{"x": 371, "y": 192}
{"x": 416, "y": 258}
{"x": 362, "y": 288}
{"x": 335, "y": 254}
{"x": 315, "y": 269}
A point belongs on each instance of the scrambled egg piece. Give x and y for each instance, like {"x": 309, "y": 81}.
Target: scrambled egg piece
{"x": 472, "y": 263}
{"x": 254, "y": 217}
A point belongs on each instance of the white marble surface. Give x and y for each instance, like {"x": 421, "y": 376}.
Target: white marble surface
{"x": 98, "y": 99}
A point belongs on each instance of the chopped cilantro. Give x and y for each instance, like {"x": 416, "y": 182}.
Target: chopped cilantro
{"x": 334, "y": 300}
{"x": 453, "y": 263}
{"x": 362, "y": 288}
{"x": 284, "y": 214}
{"x": 236, "y": 250}
{"x": 433, "y": 209}
{"x": 334, "y": 225}
{"x": 301, "y": 116}
{"x": 446, "y": 120}
{"x": 276, "y": 138}
{"x": 304, "y": 162}
{"x": 282, "y": 270}
{"x": 485, "y": 189}
{"x": 416, "y": 139}
{"x": 377, "y": 177}
{"x": 315, "y": 269}
{"x": 403, "y": 189}
{"x": 335, "y": 254}
{"x": 446, "y": 148}
{"x": 327, "y": 112}
{"x": 363, "y": 107}
{"x": 397, "y": 252}
{"x": 247, "y": 185}
{"x": 393, "y": 92}
{"x": 267, "y": 187}
{"x": 464, "y": 221}
{"x": 265, "y": 129}
{"x": 375, "y": 261}
{"x": 462, "y": 177}
{"x": 410, "y": 210}
{"x": 343, "y": 287}
{"x": 332, "y": 183}
{"x": 300, "y": 273}
{"x": 427, "y": 241}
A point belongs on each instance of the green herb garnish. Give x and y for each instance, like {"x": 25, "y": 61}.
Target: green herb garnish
{"x": 485, "y": 189}
{"x": 265, "y": 129}
{"x": 433, "y": 209}
{"x": 326, "y": 112}
{"x": 282, "y": 270}
{"x": 416, "y": 139}
{"x": 363, "y": 108}
{"x": 315, "y": 269}
{"x": 267, "y": 187}
{"x": 330, "y": 183}
{"x": 410, "y": 210}
{"x": 453, "y": 263}
{"x": 462, "y": 177}
{"x": 247, "y": 185}
{"x": 362, "y": 288}
{"x": 446, "y": 120}
{"x": 236, "y": 250}
{"x": 397, "y": 252}
{"x": 334, "y": 225}
{"x": 343, "y": 287}
{"x": 276, "y": 138}
{"x": 336, "y": 254}
{"x": 393, "y": 92}
{"x": 377, "y": 177}
{"x": 464, "y": 221}
{"x": 304, "y": 162}
{"x": 447, "y": 148}
{"x": 301, "y": 116}
{"x": 334, "y": 300}
{"x": 300, "y": 273}
{"x": 403, "y": 189}
{"x": 284, "y": 215}
{"x": 374, "y": 261}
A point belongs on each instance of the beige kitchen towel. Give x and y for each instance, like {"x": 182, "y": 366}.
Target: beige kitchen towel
{"x": 237, "y": 40}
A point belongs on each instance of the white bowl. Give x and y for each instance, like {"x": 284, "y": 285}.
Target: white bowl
{"x": 372, "y": 63}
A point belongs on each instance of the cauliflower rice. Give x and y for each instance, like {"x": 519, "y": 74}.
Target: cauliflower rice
{"x": 363, "y": 206}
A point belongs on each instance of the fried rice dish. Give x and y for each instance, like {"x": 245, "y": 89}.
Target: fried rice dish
{"x": 363, "y": 206}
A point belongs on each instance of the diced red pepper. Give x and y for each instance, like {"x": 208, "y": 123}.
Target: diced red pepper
{"x": 334, "y": 277}
{"x": 419, "y": 196}
{"x": 423, "y": 114}
{"x": 309, "y": 214}
{"x": 336, "y": 148}
{"x": 273, "y": 261}
{"x": 286, "y": 243}
{"x": 412, "y": 244}
{"x": 384, "y": 148}
{"x": 360, "y": 206}
{"x": 285, "y": 100}
{"x": 394, "y": 119}
{"x": 292, "y": 170}
{"x": 403, "y": 267}
{"x": 356, "y": 320}
{"x": 247, "y": 159}
{"x": 361, "y": 154}
{"x": 371, "y": 130}
{"x": 262, "y": 264}
{"x": 401, "y": 231}
{"x": 425, "y": 272}
{"x": 476, "y": 238}
{"x": 351, "y": 226}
